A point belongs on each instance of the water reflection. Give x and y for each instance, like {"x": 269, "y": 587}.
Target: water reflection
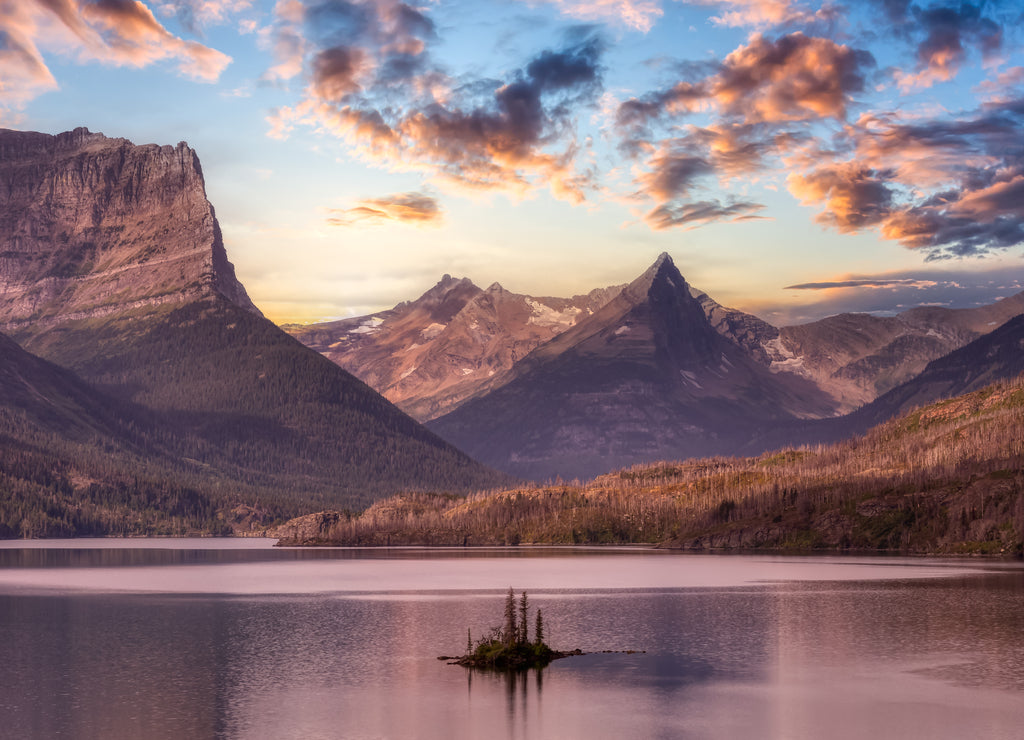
{"x": 938, "y": 657}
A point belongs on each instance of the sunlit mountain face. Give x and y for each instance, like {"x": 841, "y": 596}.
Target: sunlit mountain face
{"x": 797, "y": 159}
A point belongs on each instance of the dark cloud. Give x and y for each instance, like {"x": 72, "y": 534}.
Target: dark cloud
{"x": 335, "y": 71}
{"x": 962, "y": 179}
{"x": 948, "y": 33}
{"x": 387, "y": 94}
{"x": 673, "y": 175}
{"x": 943, "y": 35}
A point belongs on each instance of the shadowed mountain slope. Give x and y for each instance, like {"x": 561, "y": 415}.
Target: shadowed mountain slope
{"x": 645, "y": 378}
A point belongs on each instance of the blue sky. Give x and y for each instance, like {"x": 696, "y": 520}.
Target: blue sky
{"x": 796, "y": 158}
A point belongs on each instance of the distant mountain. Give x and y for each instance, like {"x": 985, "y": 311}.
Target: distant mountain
{"x": 858, "y": 357}
{"x": 454, "y": 342}
{"x": 458, "y": 342}
{"x": 998, "y": 355}
{"x": 112, "y": 265}
{"x": 647, "y": 377}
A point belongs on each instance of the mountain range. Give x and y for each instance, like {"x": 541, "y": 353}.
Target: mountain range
{"x": 654, "y": 369}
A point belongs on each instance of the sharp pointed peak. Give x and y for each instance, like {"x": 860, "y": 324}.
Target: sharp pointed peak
{"x": 663, "y": 269}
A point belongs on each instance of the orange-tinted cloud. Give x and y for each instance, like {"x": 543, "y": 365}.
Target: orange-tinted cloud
{"x": 854, "y": 196}
{"x": 951, "y": 187}
{"x": 23, "y": 73}
{"x": 118, "y": 32}
{"x": 409, "y": 208}
{"x": 792, "y": 78}
{"x": 769, "y": 13}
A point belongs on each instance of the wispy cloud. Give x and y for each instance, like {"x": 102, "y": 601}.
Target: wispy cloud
{"x": 640, "y": 15}
{"x": 408, "y": 208}
{"x": 871, "y": 283}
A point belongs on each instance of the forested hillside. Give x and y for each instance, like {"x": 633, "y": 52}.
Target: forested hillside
{"x": 945, "y": 478}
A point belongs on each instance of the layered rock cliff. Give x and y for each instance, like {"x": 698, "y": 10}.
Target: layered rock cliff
{"x": 91, "y": 226}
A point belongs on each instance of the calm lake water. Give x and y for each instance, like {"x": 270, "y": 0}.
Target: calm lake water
{"x": 231, "y": 638}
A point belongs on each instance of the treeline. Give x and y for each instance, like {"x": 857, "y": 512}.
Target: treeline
{"x": 946, "y": 478}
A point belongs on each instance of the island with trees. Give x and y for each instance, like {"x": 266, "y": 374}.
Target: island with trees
{"x": 509, "y": 647}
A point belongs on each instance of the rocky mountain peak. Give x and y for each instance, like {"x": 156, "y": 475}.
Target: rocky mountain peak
{"x": 661, "y": 275}
{"x": 91, "y": 226}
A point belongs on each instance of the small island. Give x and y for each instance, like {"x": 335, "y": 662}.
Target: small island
{"x": 509, "y": 648}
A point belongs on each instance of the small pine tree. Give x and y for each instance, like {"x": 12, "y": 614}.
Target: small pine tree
{"x": 510, "y": 618}
{"x": 539, "y": 629}
{"x": 524, "y": 608}
{"x": 469, "y": 642}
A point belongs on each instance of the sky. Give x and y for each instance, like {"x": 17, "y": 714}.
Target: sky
{"x": 797, "y": 159}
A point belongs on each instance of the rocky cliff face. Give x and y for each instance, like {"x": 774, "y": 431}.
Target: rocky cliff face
{"x": 91, "y": 226}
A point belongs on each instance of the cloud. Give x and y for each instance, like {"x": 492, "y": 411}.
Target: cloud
{"x": 791, "y": 78}
{"x": 373, "y": 84}
{"x": 197, "y": 14}
{"x": 875, "y": 283}
{"x": 769, "y": 13}
{"x": 855, "y": 196}
{"x": 693, "y": 214}
{"x": 118, "y": 32}
{"x": 408, "y": 208}
{"x": 640, "y": 15}
{"x": 23, "y": 73}
{"x": 951, "y": 187}
{"x": 945, "y": 34}
{"x": 501, "y": 142}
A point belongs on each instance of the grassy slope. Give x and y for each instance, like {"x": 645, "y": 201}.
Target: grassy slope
{"x": 945, "y": 478}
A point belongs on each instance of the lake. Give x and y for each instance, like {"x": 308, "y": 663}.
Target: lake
{"x": 203, "y": 638}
